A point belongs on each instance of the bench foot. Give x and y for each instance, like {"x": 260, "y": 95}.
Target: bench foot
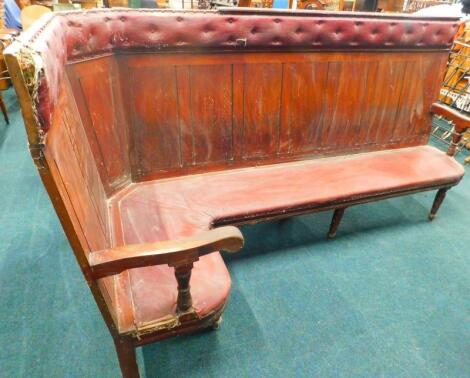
{"x": 441, "y": 194}
{"x": 217, "y": 324}
{"x": 127, "y": 358}
{"x": 335, "y": 221}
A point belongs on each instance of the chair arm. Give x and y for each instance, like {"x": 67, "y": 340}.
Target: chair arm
{"x": 461, "y": 121}
{"x": 179, "y": 252}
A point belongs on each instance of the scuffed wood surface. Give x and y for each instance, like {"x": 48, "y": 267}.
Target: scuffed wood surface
{"x": 189, "y": 113}
{"x": 171, "y": 252}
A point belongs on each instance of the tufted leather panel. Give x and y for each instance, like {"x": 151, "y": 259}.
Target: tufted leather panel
{"x": 73, "y": 35}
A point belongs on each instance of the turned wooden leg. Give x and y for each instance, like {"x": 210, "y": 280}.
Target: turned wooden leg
{"x": 335, "y": 221}
{"x": 127, "y": 358}
{"x": 441, "y": 194}
{"x": 456, "y": 138}
{"x": 4, "y": 110}
{"x": 184, "y": 301}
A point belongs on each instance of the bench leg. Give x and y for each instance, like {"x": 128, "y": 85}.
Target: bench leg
{"x": 4, "y": 110}
{"x": 127, "y": 358}
{"x": 441, "y": 194}
{"x": 335, "y": 221}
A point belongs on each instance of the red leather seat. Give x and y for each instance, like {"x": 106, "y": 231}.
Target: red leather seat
{"x": 152, "y": 292}
{"x": 171, "y": 208}
{"x": 147, "y": 296}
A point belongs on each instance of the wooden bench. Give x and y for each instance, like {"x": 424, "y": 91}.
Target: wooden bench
{"x": 155, "y": 132}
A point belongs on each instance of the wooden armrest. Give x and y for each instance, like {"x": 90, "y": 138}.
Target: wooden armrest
{"x": 461, "y": 121}
{"x": 183, "y": 251}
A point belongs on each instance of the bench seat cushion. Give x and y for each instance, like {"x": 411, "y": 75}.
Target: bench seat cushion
{"x": 171, "y": 208}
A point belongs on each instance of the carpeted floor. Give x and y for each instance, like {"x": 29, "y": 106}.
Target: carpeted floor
{"x": 389, "y": 297}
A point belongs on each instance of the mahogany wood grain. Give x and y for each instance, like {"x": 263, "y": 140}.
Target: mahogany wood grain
{"x": 154, "y": 118}
{"x": 97, "y": 93}
{"x": 190, "y": 113}
{"x": 209, "y": 132}
{"x": 72, "y": 168}
{"x": 184, "y": 301}
{"x": 440, "y": 196}
{"x": 172, "y": 252}
{"x": 68, "y": 151}
{"x": 303, "y": 107}
{"x": 127, "y": 357}
{"x": 261, "y": 109}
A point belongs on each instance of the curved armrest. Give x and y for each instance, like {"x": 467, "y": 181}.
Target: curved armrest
{"x": 183, "y": 251}
{"x": 460, "y": 120}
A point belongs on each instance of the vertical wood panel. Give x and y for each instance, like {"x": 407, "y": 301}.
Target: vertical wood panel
{"x": 78, "y": 192}
{"x": 73, "y": 170}
{"x": 123, "y": 76}
{"x": 184, "y": 115}
{"x": 346, "y": 104}
{"x": 98, "y": 95}
{"x": 122, "y": 130}
{"x": 434, "y": 68}
{"x": 302, "y": 105}
{"x": 351, "y": 95}
{"x": 97, "y": 91}
{"x": 155, "y": 119}
{"x": 389, "y": 84}
{"x": 262, "y": 95}
{"x": 327, "y": 132}
{"x": 238, "y": 115}
{"x": 370, "y": 107}
{"x": 211, "y": 113}
{"x": 193, "y": 112}
{"x": 411, "y": 104}
{"x": 79, "y": 146}
{"x": 73, "y": 166}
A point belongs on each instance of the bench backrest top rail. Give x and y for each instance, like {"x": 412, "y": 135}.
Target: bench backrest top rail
{"x": 44, "y": 50}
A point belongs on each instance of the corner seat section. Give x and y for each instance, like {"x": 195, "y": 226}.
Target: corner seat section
{"x": 174, "y": 207}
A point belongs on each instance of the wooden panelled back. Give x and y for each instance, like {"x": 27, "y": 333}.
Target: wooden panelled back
{"x": 75, "y": 173}
{"x": 96, "y": 88}
{"x": 196, "y": 112}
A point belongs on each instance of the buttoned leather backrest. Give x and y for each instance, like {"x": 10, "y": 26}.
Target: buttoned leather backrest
{"x": 170, "y": 92}
{"x": 71, "y": 35}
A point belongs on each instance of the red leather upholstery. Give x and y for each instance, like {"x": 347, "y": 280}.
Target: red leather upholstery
{"x": 148, "y": 295}
{"x": 168, "y": 209}
{"x": 154, "y": 291}
{"x": 71, "y": 35}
